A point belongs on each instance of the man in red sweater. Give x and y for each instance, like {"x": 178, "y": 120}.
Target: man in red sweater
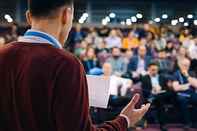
{"x": 43, "y": 87}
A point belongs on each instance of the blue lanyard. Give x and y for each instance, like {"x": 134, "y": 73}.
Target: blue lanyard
{"x": 180, "y": 77}
{"x": 52, "y": 41}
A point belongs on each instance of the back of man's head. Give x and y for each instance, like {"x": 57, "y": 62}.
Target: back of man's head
{"x": 46, "y": 8}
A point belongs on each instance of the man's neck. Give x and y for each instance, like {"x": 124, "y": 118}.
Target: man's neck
{"x": 48, "y": 31}
{"x": 48, "y": 28}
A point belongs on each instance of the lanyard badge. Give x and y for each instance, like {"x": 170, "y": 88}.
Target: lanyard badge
{"x": 32, "y": 34}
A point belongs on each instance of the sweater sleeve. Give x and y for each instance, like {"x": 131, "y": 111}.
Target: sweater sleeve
{"x": 70, "y": 106}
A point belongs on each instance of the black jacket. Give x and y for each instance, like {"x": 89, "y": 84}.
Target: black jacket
{"x": 147, "y": 85}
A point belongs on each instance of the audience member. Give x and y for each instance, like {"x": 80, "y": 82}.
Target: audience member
{"x": 192, "y": 49}
{"x": 117, "y": 62}
{"x": 80, "y": 49}
{"x": 185, "y": 86}
{"x": 78, "y": 34}
{"x": 93, "y": 39}
{"x": 131, "y": 42}
{"x": 118, "y": 85}
{"x": 155, "y": 91}
{"x": 165, "y": 63}
{"x": 113, "y": 40}
{"x": 127, "y": 56}
{"x": 169, "y": 48}
{"x": 138, "y": 64}
{"x": 90, "y": 62}
{"x": 150, "y": 44}
{"x": 185, "y": 37}
{"x": 160, "y": 42}
{"x": 181, "y": 54}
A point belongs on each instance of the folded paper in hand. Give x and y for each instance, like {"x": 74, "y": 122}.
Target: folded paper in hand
{"x": 98, "y": 87}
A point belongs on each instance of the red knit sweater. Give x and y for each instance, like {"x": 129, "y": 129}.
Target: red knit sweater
{"x": 44, "y": 89}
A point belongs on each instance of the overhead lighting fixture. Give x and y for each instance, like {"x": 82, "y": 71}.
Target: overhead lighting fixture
{"x": 10, "y": 20}
{"x": 112, "y": 15}
{"x": 107, "y": 18}
{"x": 190, "y": 16}
{"x": 164, "y": 16}
{"x": 83, "y": 18}
{"x": 174, "y": 22}
{"x": 195, "y": 22}
{"x": 186, "y": 24}
{"x": 81, "y": 21}
{"x": 122, "y": 22}
{"x": 7, "y": 16}
{"x": 85, "y": 15}
{"x": 139, "y": 16}
{"x": 133, "y": 19}
{"x": 128, "y": 22}
{"x": 157, "y": 20}
{"x": 181, "y": 19}
{"x": 104, "y": 22}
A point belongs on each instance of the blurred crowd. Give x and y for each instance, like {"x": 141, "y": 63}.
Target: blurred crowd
{"x": 157, "y": 61}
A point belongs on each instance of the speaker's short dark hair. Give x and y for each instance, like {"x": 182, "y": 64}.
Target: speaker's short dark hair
{"x": 46, "y": 8}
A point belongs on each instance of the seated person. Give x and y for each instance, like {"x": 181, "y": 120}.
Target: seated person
{"x": 90, "y": 62}
{"x": 131, "y": 42}
{"x": 155, "y": 90}
{"x": 185, "y": 86}
{"x": 117, "y": 62}
{"x": 138, "y": 64}
{"x": 118, "y": 85}
{"x": 118, "y": 99}
{"x": 181, "y": 54}
{"x": 113, "y": 40}
{"x": 169, "y": 48}
{"x": 165, "y": 64}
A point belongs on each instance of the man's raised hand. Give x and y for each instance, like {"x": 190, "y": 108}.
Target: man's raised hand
{"x": 134, "y": 115}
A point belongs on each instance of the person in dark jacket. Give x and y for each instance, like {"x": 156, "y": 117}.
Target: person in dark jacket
{"x": 138, "y": 64}
{"x": 155, "y": 90}
{"x": 90, "y": 62}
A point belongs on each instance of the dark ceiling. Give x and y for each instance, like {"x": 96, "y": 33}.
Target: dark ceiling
{"x": 100, "y": 8}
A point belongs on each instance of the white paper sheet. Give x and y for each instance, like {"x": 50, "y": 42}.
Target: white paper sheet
{"x": 98, "y": 87}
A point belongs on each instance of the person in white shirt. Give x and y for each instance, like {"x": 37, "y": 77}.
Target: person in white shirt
{"x": 116, "y": 82}
{"x": 155, "y": 90}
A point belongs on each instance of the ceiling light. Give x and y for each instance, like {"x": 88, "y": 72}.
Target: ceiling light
{"x": 139, "y": 16}
{"x": 157, "y": 20}
{"x": 164, "y": 16}
{"x": 133, "y": 19}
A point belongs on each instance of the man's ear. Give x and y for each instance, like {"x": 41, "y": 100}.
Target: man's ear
{"x": 67, "y": 15}
{"x": 28, "y": 17}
